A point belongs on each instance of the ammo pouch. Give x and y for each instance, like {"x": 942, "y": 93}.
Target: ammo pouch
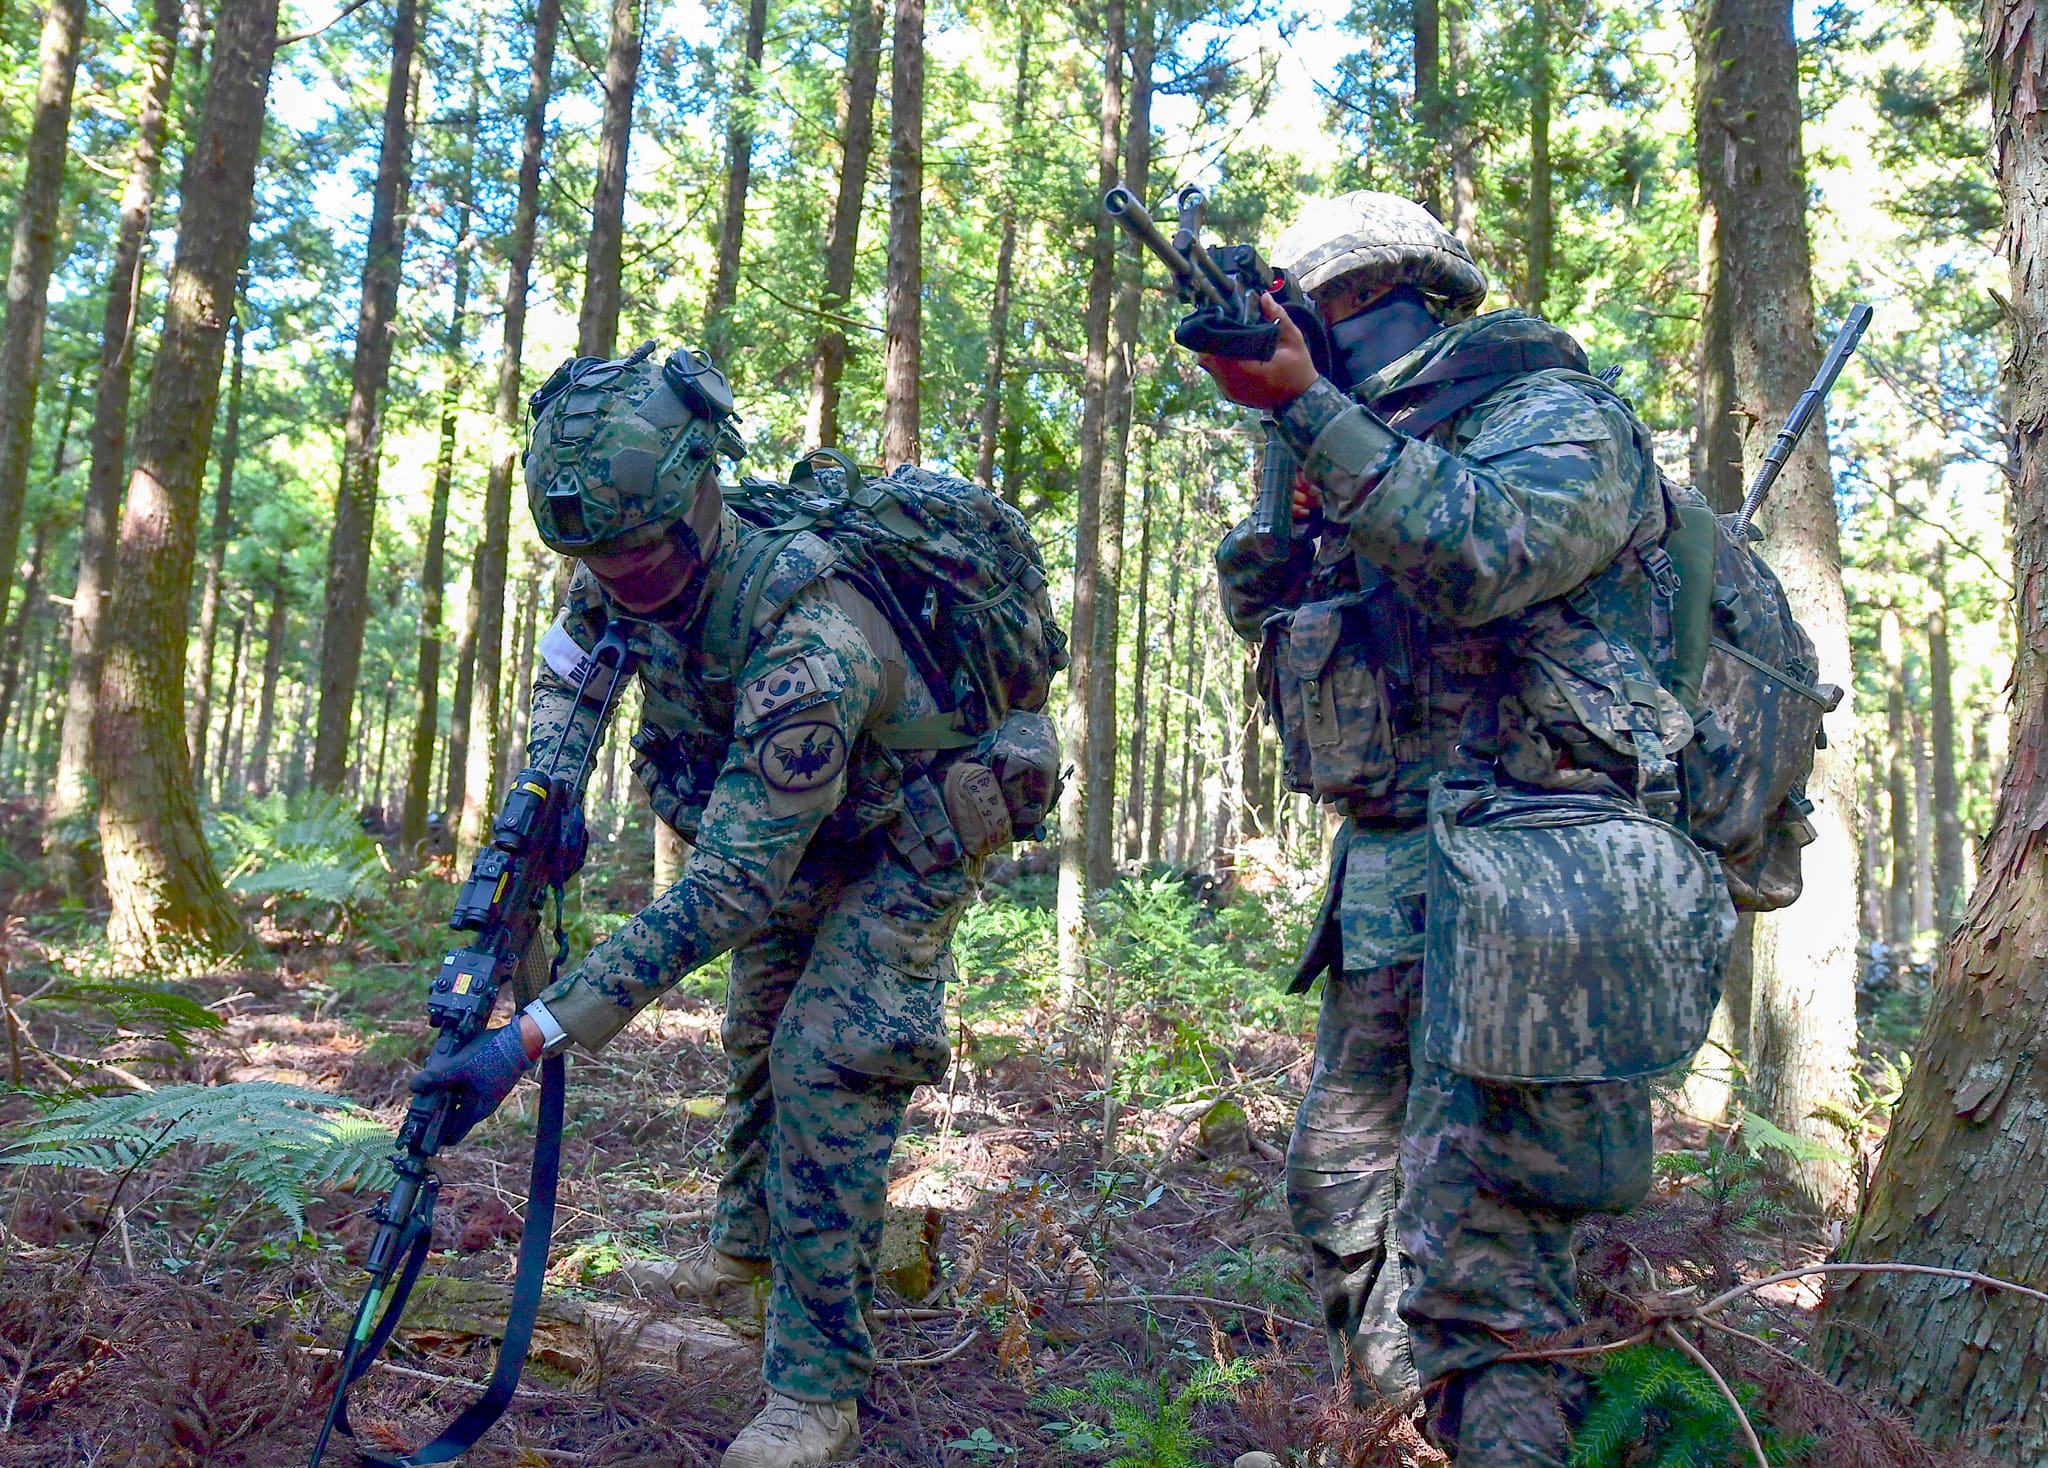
{"x": 1570, "y": 937}
{"x": 1324, "y": 685}
{"x": 922, "y": 835}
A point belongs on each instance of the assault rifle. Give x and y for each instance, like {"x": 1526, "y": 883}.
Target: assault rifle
{"x": 537, "y": 843}
{"x": 1222, "y": 285}
{"x": 1802, "y": 414}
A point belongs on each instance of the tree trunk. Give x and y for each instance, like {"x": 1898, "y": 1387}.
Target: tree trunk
{"x": 273, "y": 662}
{"x": 1464, "y": 218}
{"x": 28, "y": 271}
{"x": 1155, "y": 831}
{"x": 11, "y": 667}
{"x": 1542, "y": 222}
{"x": 485, "y": 722}
{"x": 1752, "y": 183}
{"x": 1898, "y": 901}
{"x": 1006, "y": 261}
{"x": 426, "y": 702}
{"x": 230, "y": 706}
{"x": 857, "y": 134}
{"x": 347, "y": 607}
{"x": 1073, "y": 894}
{"x": 1959, "y": 1184}
{"x": 1923, "y": 823}
{"x": 903, "y": 355}
{"x": 519, "y": 690}
{"x": 110, "y": 441}
{"x": 1141, "y": 642}
{"x": 1429, "y": 101}
{"x": 167, "y": 896}
{"x": 457, "y": 771}
{"x": 597, "y": 333}
{"x": 739, "y": 162}
{"x": 1102, "y": 685}
{"x": 197, "y": 716}
{"x": 1948, "y": 815}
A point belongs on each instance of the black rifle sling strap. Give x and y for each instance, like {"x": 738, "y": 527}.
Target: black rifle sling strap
{"x": 475, "y": 1420}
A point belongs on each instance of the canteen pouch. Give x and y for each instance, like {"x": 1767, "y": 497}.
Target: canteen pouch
{"x": 1328, "y": 698}
{"x": 1570, "y": 937}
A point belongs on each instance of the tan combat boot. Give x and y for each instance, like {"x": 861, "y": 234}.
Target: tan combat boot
{"x": 705, "y": 1274}
{"x": 788, "y": 1433}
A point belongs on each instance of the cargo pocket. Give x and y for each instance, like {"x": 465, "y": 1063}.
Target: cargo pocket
{"x": 1570, "y": 937}
{"x": 1329, "y": 700}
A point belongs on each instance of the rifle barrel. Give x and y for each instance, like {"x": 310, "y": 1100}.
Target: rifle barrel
{"x": 1802, "y": 414}
{"x": 1121, "y": 205}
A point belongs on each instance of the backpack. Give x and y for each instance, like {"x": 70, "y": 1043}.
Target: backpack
{"x": 952, "y": 566}
{"x": 1745, "y": 670}
{"x": 1739, "y": 663}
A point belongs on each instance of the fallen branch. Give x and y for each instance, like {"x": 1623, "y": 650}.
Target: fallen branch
{"x": 432, "y": 1378}
{"x": 941, "y": 1357}
{"x": 1265, "y": 1310}
{"x": 1990, "y": 1282}
{"x": 1700, "y": 1360}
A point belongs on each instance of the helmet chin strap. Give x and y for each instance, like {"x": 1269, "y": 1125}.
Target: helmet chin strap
{"x": 1386, "y": 331}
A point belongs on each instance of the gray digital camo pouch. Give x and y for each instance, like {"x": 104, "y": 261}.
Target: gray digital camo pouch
{"x": 1570, "y": 937}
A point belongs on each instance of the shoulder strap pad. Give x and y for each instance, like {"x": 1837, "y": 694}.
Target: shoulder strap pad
{"x": 771, "y": 567}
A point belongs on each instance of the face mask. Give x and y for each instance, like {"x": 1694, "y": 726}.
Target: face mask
{"x": 1386, "y": 331}
{"x": 648, "y": 578}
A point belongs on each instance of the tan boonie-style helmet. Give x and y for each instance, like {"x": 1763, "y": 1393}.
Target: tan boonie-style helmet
{"x": 1366, "y": 239}
{"x": 623, "y": 450}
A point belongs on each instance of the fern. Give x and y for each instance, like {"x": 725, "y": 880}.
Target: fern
{"x": 1152, "y": 1427}
{"x": 1652, "y": 1406}
{"x": 308, "y": 845}
{"x": 282, "y": 1142}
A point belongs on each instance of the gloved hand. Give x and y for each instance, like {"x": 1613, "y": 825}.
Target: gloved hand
{"x": 480, "y": 1076}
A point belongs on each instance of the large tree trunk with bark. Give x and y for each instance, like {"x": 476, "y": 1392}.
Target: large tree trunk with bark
{"x": 28, "y": 270}
{"x": 355, "y": 497}
{"x": 109, "y": 445}
{"x": 597, "y": 332}
{"x": 1006, "y": 265}
{"x": 1959, "y": 1184}
{"x": 1541, "y": 222}
{"x": 739, "y": 163}
{"x": 1103, "y": 743}
{"x": 198, "y": 714}
{"x": 1426, "y": 30}
{"x": 489, "y": 586}
{"x": 842, "y": 239}
{"x": 1141, "y": 643}
{"x": 166, "y": 894}
{"x": 903, "y": 355}
{"x": 1898, "y": 898}
{"x": 1073, "y": 894}
{"x": 1801, "y": 1045}
{"x": 1464, "y": 201}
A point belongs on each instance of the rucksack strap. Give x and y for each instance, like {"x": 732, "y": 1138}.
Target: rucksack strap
{"x": 933, "y": 731}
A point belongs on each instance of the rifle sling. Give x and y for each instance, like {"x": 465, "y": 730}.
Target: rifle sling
{"x": 475, "y": 1420}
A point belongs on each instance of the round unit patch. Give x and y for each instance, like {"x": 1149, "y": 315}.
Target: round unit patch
{"x": 800, "y": 757}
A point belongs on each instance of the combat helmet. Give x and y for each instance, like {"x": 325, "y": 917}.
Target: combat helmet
{"x": 622, "y": 450}
{"x": 1374, "y": 239}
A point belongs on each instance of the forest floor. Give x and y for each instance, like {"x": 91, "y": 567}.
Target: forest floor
{"x": 1042, "y": 1302}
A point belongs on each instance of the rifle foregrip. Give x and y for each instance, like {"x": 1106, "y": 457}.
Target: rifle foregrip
{"x": 1273, "y": 511}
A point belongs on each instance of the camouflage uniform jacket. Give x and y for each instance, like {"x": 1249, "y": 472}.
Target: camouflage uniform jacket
{"x": 752, "y": 770}
{"x": 1494, "y": 557}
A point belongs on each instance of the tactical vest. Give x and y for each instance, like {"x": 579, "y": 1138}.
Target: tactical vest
{"x": 1372, "y": 697}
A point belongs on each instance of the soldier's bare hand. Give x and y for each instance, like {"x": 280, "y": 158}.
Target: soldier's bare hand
{"x": 1308, "y": 499}
{"x": 1270, "y": 385}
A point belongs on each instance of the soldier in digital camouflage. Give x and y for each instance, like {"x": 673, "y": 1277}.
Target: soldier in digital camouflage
{"x": 1473, "y": 600}
{"x": 781, "y": 780}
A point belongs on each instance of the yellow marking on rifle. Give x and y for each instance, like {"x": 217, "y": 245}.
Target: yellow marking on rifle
{"x": 462, "y": 984}
{"x": 540, "y": 790}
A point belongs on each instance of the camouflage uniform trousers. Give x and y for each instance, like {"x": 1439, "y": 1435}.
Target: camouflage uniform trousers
{"x": 1470, "y": 1254}
{"x": 835, "y": 1013}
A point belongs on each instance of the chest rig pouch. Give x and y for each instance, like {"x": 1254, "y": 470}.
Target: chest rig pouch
{"x": 1323, "y": 670}
{"x": 1570, "y": 936}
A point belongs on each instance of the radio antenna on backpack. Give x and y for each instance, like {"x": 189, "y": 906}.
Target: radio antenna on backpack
{"x": 1802, "y": 414}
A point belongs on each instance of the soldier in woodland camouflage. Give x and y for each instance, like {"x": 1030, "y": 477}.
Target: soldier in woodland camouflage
{"x": 1480, "y": 602}
{"x": 841, "y": 953}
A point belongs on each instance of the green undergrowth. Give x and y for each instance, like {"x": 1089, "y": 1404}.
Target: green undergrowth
{"x": 1653, "y": 1407}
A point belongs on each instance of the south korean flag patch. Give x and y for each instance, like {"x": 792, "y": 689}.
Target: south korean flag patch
{"x": 799, "y": 684}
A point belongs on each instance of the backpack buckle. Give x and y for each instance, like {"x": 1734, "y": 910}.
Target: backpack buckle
{"x": 1662, "y": 570}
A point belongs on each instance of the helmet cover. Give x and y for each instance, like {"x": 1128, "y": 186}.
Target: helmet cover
{"x": 1366, "y": 239}
{"x": 622, "y": 451}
